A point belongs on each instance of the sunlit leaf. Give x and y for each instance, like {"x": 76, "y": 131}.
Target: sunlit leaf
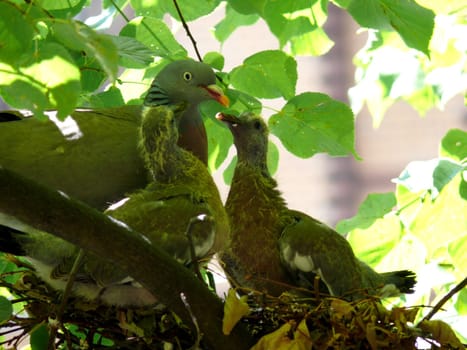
{"x": 442, "y": 333}
{"x": 454, "y": 145}
{"x": 373, "y": 243}
{"x": 16, "y": 33}
{"x": 155, "y": 35}
{"x": 286, "y": 338}
{"x": 266, "y": 74}
{"x": 457, "y": 250}
{"x": 234, "y": 309}
{"x": 231, "y": 22}
{"x": 311, "y": 123}
{"x": 132, "y": 53}
{"x": 374, "y": 207}
{"x": 442, "y": 220}
{"x": 413, "y": 22}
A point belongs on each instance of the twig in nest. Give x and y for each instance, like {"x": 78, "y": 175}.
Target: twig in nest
{"x": 187, "y": 30}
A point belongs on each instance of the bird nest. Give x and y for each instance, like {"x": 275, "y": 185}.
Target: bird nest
{"x": 285, "y": 322}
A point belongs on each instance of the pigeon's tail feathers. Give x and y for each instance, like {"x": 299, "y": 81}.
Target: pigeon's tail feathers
{"x": 404, "y": 280}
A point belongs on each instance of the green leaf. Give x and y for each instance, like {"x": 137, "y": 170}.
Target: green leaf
{"x": 6, "y": 309}
{"x": 247, "y": 7}
{"x": 311, "y": 123}
{"x": 461, "y": 303}
{"x": 457, "y": 250}
{"x": 39, "y": 337}
{"x": 78, "y": 36}
{"x": 240, "y": 102}
{"x": 229, "y": 171}
{"x": 374, "y": 207}
{"x": 266, "y": 74}
{"x": 155, "y": 35}
{"x": 408, "y": 253}
{"x": 315, "y": 43}
{"x": 51, "y": 80}
{"x": 131, "y": 52}
{"x": 430, "y": 176}
{"x": 454, "y": 145}
{"x": 298, "y": 23}
{"x": 413, "y": 22}
{"x": 110, "y": 98}
{"x": 214, "y": 59}
{"x": 272, "y": 157}
{"x": 372, "y": 244}
{"x": 158, "y": 8}
{"x": 442, "y": 220}
{"x": 231, "y": 22}
{"x": 16, "y": 33}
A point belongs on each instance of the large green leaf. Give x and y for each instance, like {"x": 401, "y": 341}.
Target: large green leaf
{"x": 266, "y": 74}
{"x": 132, "y": 53}
{"x": 51, "y": 80}
{"x": 442, "y": 220}
{"x": 78, "y": 36}
{"x": 39, "y": 337}
{"x": 457, "y": 250}
{"x": 190, "y": 10}
{"x": 311, "y": 123}
{"x": 431, "y": 175}
{"x": 16, "y": 32}
{"x": 373, "y": 243}
{"x": 247, "y": 7}
{"x": 413, "y": 22}
{"x": 231, "y": 22}
{"x": 300, "y": 24}
{"x": 155, "y": 35}
{"x": 374, "y": 207}
{"x": 454, "y": 145}
{"x": 6, "y": 309}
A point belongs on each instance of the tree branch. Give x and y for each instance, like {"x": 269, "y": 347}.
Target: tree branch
{"x": 51, "y": 211}
{"x": 187, "y": 30}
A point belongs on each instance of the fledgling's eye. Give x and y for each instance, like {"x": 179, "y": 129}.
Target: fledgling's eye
{"x": 257, "y": 125}
{"x": 187, "y": 76}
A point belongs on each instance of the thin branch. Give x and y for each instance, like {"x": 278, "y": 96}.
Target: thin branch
{"x": 187, "y": 30}
{"x": 448, "y": 296}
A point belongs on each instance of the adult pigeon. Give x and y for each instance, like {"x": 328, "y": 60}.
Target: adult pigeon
{"x": 180, "y": 211}
{"x": 273, "y": 246}
{"x": 92, "y": 155}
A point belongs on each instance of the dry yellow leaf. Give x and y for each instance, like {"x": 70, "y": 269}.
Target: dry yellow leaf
{"x": 282, "y": 338}
{"x": 234, "y": 309}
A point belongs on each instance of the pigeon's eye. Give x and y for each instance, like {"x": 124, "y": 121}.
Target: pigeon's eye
{"x": 187, "y": 76}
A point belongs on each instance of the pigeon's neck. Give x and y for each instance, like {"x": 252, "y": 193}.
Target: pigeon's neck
{"x": 170, "y": 164}
{"x": 193, "y": 136}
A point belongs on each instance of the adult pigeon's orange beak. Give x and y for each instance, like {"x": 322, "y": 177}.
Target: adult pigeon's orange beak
{"x": 217, "y": 94}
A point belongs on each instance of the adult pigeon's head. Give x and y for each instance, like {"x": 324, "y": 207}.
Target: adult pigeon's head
{"x": 250, "y": 134}
{"x": 187, "y": 82}
{"x": 184, "y": 81}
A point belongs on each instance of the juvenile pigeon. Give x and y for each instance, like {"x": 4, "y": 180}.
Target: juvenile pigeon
{"x": 273, "y": 247}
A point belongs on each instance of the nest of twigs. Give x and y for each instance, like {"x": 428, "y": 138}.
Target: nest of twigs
{"x": 86, "y": 325}
{"x": 285, "y": 322}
